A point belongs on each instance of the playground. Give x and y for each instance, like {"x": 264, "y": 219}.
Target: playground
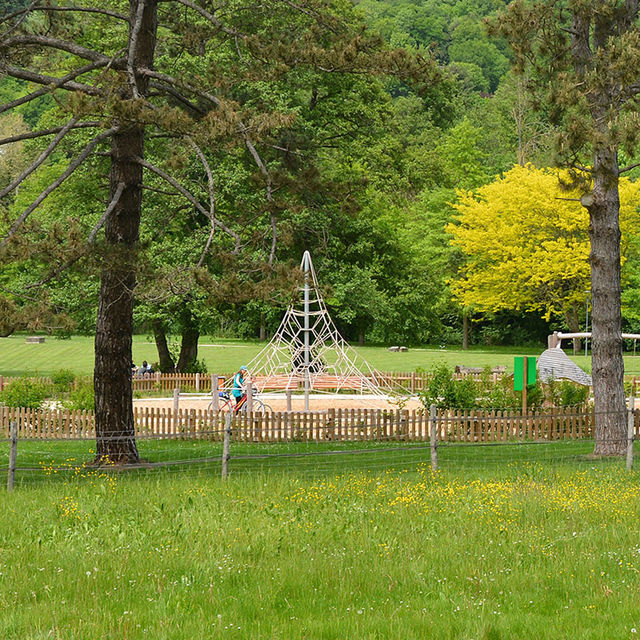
{"x": 278, "y": 402}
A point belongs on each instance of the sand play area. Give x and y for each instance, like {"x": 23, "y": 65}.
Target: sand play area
{"x": 278, "y": 402}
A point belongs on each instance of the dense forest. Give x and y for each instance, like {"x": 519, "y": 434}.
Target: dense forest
{"x": 378, "y": 175}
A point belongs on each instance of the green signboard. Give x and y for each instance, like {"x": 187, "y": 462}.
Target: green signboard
{"x": 518, "y": 372}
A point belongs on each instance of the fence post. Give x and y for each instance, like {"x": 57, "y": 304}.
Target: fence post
{"x": 215, "y": 389}
{"x": 288, "y": 399}
{"x": 176, "y": 407}
{"x": 433, "y": 438}
{"x": 197, "y": 382}
{"x": 630, "y": 431}
{"x": 13, "y": 454}
{"x": 249, "y": 397}
{"x": 225, "y": 445}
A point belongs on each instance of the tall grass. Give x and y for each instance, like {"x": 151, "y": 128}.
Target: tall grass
{"x": 523, "y": 550}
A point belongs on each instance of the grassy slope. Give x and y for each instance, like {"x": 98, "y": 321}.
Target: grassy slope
{"x": 19, "y": 358}
{"x": 505, "y": 551}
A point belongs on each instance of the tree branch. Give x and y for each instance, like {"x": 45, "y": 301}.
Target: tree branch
{"x": 207, "y": 168}
{"x": 164, "y": 88}
{"x": 171, "y": 81}
{"x": 267, "y": 176}
{"x": 312, "y": 14}
{"x": 55, "y": 184}
{"x": 90, "y": 241}
{"x": 32, "y": 7}
{"x": 191, "y": 198}
{"x": 49, "y": 81}
{"x": 581, "y": 167}
{"x": 105, "y": 215}
{"x": 17, "y": 13}
{"x": 56, "y": 43}
{"x": 629, "y": 167}
{"x": 40, "y": 159}
{"x": 212, "y": 198}
{"x": 210, "y": 17}
{"x": 133, "y": 45}
{"x": 46, "y": 132}
{"x": 105, "y": 12}
{"x": 162, "y": 191}
{"x": 580, "y": 47}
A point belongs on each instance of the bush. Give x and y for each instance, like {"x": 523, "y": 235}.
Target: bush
{"x": 83, "y": 396}
{"x": 447, "y": 393}
{"x": 63, "y": 380}
{"x": 197, "y": 366}
{"x": 564, "y": 393}
{"x": 25, "y": 392}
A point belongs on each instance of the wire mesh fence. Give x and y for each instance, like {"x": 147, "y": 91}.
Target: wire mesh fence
{"x": 448, "y": 440}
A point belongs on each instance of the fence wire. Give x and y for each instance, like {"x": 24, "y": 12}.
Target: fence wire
{"x": 303, "y": 453}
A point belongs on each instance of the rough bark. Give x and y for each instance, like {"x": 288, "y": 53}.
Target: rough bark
{"x": 571, "y": 316}
{"x": 115, "y": 429}
{"x": 465, "y": 331}
{"x": 606, "y": 345}
{"x": 189, "y": 343}
{"x": 263, "y": 328}
{"x": 603, "y": 204}
{"x": 165, "y": 360}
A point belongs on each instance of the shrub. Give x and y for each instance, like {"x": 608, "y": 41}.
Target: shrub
{"x": 197, "y": 366}
{"x": 83, "y": 396}
{"x": 564, "y": 393}
{"x": 25, "y": 392}
{"x": 447, "y": 393}
{"x": 63, "y": 380}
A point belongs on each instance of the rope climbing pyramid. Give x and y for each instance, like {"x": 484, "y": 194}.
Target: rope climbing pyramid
{"x": 307, "y": 352}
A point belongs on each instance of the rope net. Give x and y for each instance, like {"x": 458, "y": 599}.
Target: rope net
{"x": 307, "y": 353}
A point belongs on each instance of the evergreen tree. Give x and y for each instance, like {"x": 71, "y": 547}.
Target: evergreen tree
{"x": 584, "y": 57}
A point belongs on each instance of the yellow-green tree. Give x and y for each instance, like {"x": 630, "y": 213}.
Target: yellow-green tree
{"x": 527, "y": 243}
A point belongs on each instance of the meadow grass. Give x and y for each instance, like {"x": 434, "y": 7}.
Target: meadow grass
{"x": 520, "y": 549}
{"x": 224, "y": 355}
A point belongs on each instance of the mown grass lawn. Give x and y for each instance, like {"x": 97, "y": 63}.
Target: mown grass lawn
{"x": 538, "y": 545}
{"x": 223, "y": 356}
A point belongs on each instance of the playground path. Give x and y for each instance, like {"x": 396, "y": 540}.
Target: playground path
{"x": 278, "y": 402}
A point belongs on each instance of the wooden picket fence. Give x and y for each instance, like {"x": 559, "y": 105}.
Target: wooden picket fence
{"x": 202, "y": 382}
{"x": 317, "y": 426}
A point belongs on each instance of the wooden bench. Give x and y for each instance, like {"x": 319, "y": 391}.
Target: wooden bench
{"x": 35, "y": 339}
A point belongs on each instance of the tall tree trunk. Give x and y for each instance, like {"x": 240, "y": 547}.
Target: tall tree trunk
{"x": 263, "y": 328}
{"x": 189, "y": 344}
{"x": 606, "y": 346}
{"x": 165, "y": 360}
{"x": 115, "y": 429}
{"x": 573, "y": 322}
{"x": 465, "y": 330}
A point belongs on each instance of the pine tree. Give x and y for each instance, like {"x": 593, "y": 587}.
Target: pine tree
{"x": 584, "y": 57}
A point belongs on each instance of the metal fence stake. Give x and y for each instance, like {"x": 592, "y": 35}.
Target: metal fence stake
{"x": 630, "y": 431}
{"x": 13, "y": 454}
{"x": 250, "y": 398}
{"x": 225, "y": 446}
{"x": 433, "y": 438}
